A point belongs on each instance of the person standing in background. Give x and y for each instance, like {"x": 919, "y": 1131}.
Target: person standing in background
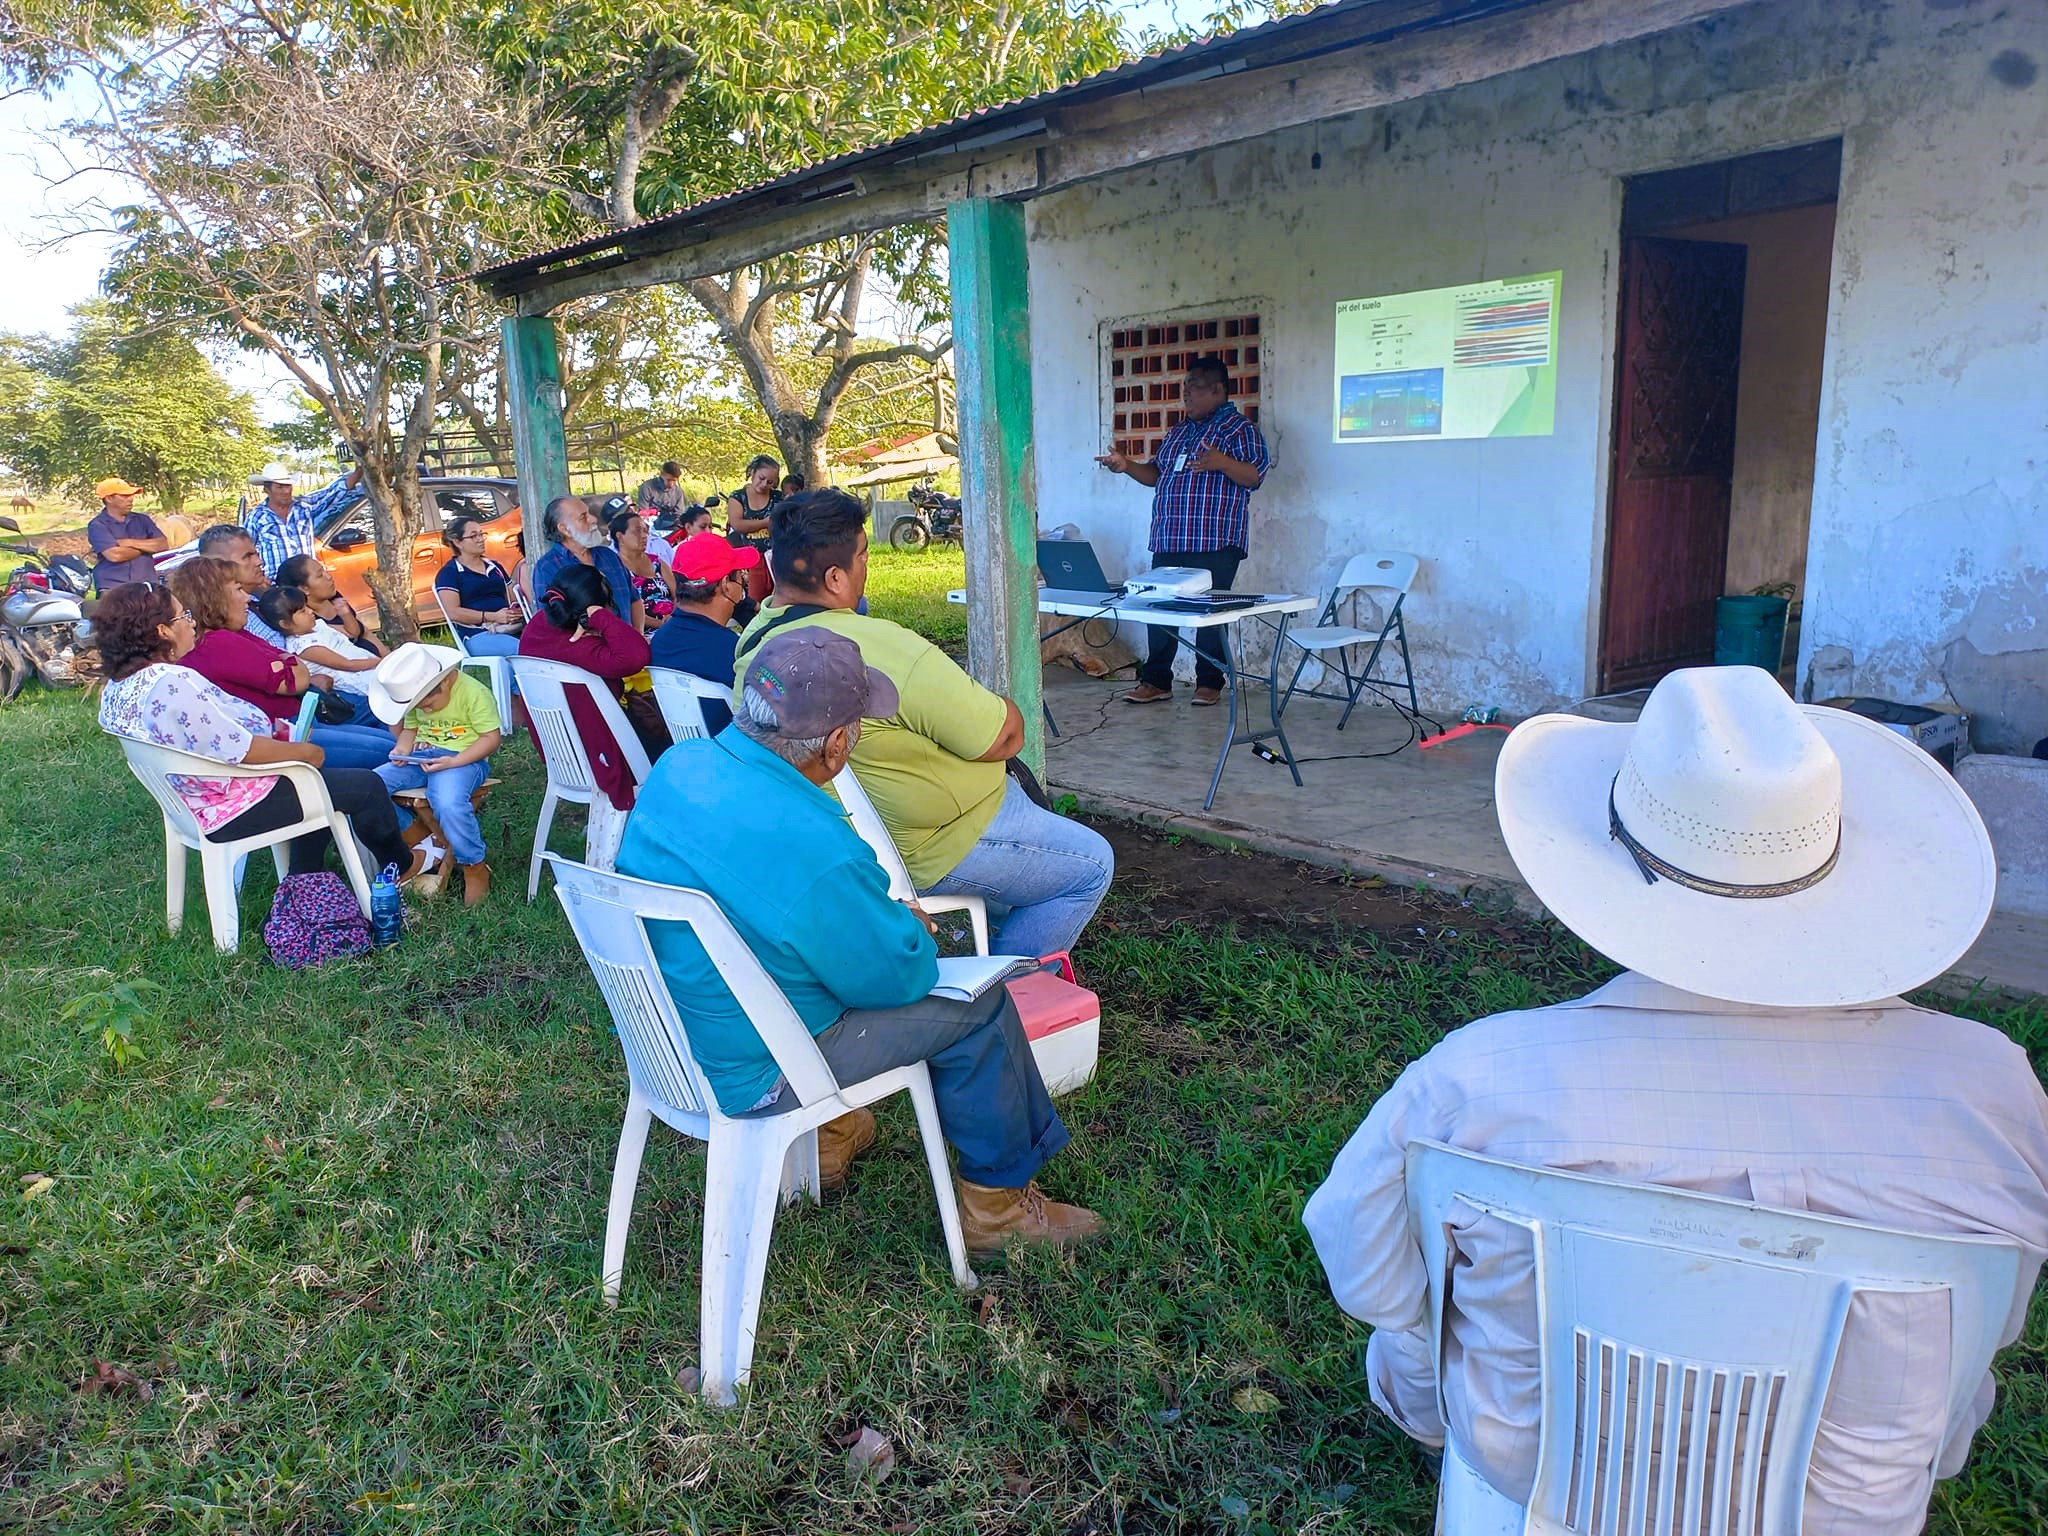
{"x": 284, "y": 525}
{"x": 1203, "y": 478}
{"x": 126, "y": 541}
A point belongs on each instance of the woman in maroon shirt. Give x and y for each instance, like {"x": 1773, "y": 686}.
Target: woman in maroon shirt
{"x": 255, "y": 671}
{"x": 577, "y": 624}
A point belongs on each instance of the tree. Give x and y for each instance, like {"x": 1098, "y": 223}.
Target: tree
{"x": 311, "y": 179}
{"x": 146, "y": 406}
{"x": 665, "y": 106}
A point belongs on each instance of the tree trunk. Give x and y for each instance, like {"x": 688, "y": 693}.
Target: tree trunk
{"x": 396, "y": 515}
{"x": 802, "y": 441}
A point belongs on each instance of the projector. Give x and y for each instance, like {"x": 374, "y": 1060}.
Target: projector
{"x": 1170, "y": 581}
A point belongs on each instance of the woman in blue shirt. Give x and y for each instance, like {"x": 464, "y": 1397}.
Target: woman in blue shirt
{"x": 478, "y": 593}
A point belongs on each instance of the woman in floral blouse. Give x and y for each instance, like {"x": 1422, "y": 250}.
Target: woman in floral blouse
{"x": 653, "y": 583}
{"x": 143, "y": 633}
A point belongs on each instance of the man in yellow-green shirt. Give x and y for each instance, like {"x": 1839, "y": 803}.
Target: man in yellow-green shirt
{"x": 935, "y": 769}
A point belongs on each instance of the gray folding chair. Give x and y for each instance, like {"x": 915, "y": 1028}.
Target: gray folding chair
{"x": 1382, "y": 577}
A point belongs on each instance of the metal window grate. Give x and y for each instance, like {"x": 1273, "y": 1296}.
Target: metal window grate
{"x": 1146, "y": 362}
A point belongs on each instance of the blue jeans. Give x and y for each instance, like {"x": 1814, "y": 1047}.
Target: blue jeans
{"x": 448, "y": 793}
{"x": 1050, "y": 872}
{"x": 352, "y": 746}
{"x": 484, "y": 643}
{"x": 993, "y": 1107}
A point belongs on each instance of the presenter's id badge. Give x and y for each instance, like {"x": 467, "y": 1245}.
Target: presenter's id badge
{"x": 1180, "y": 464}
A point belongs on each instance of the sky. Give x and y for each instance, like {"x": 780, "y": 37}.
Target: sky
{"x": 46, "y": 188}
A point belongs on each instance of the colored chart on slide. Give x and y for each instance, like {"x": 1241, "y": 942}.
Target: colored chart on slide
{"x": 1479, "y": 360}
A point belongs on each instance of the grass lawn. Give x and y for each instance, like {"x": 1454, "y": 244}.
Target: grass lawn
{"x": 342, "y": 1226}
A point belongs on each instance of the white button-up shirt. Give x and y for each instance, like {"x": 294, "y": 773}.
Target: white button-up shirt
{"x": 1885, "y": 1113}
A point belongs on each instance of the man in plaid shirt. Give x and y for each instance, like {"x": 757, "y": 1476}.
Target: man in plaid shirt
{"x": 1203, "y": 479}
{"x": 282, "y": 525}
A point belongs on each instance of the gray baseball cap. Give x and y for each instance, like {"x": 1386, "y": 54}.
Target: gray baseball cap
{"x": 815, "y": 681}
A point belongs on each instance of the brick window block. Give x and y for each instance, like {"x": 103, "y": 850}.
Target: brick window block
{"x": 1147, "y": 362}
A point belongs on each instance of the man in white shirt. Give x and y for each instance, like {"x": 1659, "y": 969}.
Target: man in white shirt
{"x": 1772, "y": 875}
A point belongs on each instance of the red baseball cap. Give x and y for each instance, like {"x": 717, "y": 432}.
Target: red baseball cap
{"x": 707, "y": 557}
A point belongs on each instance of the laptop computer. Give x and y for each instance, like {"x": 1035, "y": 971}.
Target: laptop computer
{"x": 1069, "y": 567}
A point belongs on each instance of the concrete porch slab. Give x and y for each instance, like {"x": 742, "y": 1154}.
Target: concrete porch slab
{"x": 1407, "y": 814}
{"x": 1420, "y": 818}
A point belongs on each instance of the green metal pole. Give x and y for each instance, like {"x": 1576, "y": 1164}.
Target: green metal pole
{"x": 992, "y": 364}
{"x": 532, "y": 381}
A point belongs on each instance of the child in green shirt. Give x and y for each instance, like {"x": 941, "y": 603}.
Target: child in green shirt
{"x": 448, "y": 728}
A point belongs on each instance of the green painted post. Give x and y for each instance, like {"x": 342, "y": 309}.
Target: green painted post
{"x": 992, "y": 365}
{"x": 532, "y": 381}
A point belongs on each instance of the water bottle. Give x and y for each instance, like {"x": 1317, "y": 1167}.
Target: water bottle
{"x": 387, "y": 912}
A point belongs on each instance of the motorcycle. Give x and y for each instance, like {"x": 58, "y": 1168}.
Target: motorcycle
{"x": 43, "y": 627}
{"x": 932, "y": 515}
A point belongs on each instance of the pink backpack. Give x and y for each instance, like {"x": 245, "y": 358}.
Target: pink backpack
{"x": 314, "y": 918}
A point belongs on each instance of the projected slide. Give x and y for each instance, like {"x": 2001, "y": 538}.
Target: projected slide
{"x": 1474, "y": 361}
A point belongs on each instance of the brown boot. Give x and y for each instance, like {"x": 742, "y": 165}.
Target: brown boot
{"x": 839, "y": 1143}
{"x": 990, "y": 1217}
{"x": 476, "y": 883}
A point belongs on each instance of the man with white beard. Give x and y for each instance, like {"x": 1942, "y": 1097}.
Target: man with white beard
{"x": 575, "y": 533}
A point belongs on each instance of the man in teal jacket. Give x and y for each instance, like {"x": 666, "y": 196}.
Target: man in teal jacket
{"x": 813, "y": 905}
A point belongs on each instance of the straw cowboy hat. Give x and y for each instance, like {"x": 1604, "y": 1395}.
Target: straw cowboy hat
{"x": 272, "y": 472}
{"x": 1740, "y": 846}
{"x": 406, "y": 676}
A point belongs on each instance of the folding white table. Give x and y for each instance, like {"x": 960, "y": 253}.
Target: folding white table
{"x": 1271, "y": 610}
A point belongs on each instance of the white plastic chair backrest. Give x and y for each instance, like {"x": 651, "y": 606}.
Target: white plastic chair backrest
{"x": 541, "y": 685}
{"x": 867, "y": 821}
{"x": 154, "y": 765}
{"x": 678, "y": 693}
{"x": 1681, "y": 1332}
{"x": 454, "y": 632}
{"x": 608, "y": 914}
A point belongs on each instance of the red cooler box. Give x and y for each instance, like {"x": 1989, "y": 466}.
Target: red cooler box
{"x": 1063, "y": 1022}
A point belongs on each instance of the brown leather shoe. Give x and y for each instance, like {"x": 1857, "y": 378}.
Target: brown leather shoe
{"x": 476, "y": 883}
{"x": 1145, "y": 693}
{"x": 1207, "y": 696}
{"x": 839, "y": 1143}
{"x": 991, "y": 1217}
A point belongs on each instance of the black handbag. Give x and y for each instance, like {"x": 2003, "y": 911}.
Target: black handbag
{"x": 331, "y": 708}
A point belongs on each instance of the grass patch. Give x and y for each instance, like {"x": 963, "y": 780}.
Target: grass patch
{"x": 343, "y": 1226}
{"x": 911, "y": 589}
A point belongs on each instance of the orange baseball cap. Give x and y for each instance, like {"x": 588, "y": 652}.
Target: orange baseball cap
{"x": 114, "y": 485}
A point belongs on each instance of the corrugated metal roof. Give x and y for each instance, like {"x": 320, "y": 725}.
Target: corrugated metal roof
{"x": 1291, "y": 39}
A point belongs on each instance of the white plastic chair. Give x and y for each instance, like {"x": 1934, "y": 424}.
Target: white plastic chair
{"x": 154, "y": 765}
{"x": 497, "y": 669}
{"x": 1686, "y": 1342}
{"x": 541, "y": 685}
{"x": 680, "y": 695}
{"x": 751, "y": 1165}
{"x": 1336, "y": 630}
{"x": 867, "y": 821}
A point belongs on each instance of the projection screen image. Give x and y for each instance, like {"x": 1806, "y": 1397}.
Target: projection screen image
{"x": 1478, "y": 360}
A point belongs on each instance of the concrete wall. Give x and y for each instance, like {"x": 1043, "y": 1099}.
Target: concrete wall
{"x": 1777, "y": 407}
{"x": 1928, "y": 551}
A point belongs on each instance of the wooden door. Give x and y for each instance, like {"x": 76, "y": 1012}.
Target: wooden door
{"x": 1674, "y": 457}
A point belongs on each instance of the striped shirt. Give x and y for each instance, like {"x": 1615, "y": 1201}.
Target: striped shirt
{"x": 1197, "y": 510}
{"x": 1884, "y": 1113}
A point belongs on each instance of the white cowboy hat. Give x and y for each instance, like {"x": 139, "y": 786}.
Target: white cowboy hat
{"x": 270, "y": 472}
{"x": 406, "y": 676}
{"x": 1740, "y": 846}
